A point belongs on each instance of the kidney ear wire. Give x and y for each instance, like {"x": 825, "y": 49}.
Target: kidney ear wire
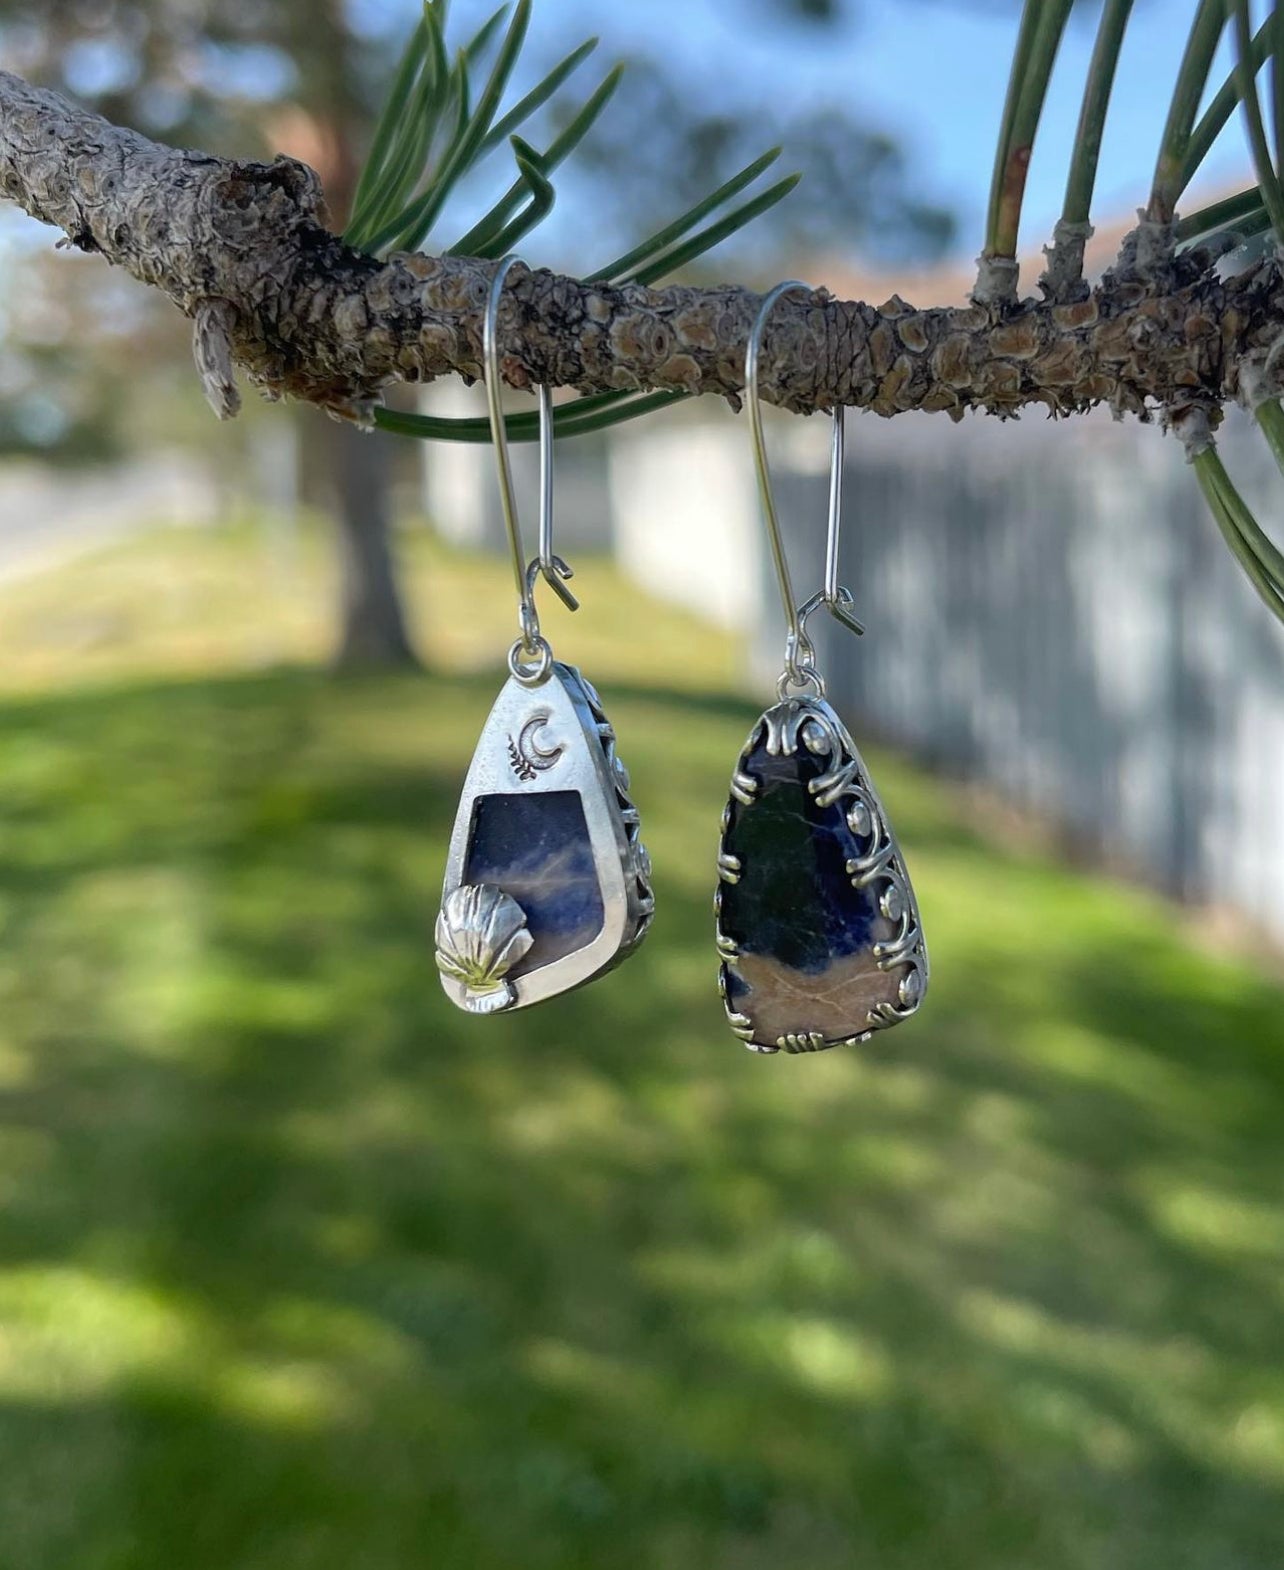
{"x": 801, "y": 668}
{"x": 531, "y": 653}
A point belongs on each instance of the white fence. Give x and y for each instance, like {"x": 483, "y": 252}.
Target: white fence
{"x": 1050, "y": 610}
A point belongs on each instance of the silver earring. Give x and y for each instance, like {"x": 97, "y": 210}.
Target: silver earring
{"x": 818, "y": 929}
{"x": 547, "y": 884}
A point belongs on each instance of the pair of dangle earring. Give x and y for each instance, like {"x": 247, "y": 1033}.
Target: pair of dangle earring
{"x": 817, "y": 925}
{"x": 547, "y": 883}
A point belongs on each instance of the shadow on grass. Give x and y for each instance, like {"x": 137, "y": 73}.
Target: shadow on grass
{"x": 303, "y": 1268}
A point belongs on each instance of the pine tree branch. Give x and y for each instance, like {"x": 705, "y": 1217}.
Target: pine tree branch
{"x": 241, "y": 249}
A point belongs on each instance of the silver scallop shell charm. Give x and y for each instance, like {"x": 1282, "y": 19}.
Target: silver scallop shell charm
{"x": 818, "y": 926}
{"x": 481, "y": 935}
{"x": 547, "y": 881}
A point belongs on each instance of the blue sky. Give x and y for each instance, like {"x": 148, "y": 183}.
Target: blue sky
{"x": 932, "y": 72}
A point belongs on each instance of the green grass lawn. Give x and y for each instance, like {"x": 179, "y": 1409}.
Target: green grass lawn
{"x": 301, "y": 1269}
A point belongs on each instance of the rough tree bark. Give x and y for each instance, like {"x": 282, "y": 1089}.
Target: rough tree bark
{"x": 240, "y": 248}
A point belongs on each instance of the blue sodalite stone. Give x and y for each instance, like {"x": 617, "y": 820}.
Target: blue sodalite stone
{"x": 537, "y": 849}
{"x": 804, "y": 933}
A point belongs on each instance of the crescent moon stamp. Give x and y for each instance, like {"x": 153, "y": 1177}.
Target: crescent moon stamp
{"x": 525, "y": 755}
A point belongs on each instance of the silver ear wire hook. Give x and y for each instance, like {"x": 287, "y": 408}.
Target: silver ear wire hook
{"x": 532, "y": 645}
{"x": 551, "y": 567}
{"x": 800, "y": 652}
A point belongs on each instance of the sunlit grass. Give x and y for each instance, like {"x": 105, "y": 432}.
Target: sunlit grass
{"x": 301, "y": 1268}
{"x": 263, "y": 594}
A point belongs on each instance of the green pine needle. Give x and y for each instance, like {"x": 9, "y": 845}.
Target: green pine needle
{"x": 477, "y": 45}
{"x": 538, "y": 96}
{"x": 1192, "y": 78}
{"x": 1262, "y": 563}
{"x": 411, "y": 172}
{"x": 1221, "y": 106}
{"x": 578, "y": 418}
{"x": 391, "y": 121}
{"x": 409, "y": 153}
{"x": 557, "y": 151}
{"x": 1233, "y": 212}
{"x": 651, "y": 247}
{"x": 1042, "y": 24}
{"x": 705, "y": 239}
{"x": 1274, "y": 28}
{"x": 1270, "y": 419}
{"x": 410, "y": 228}
{"x": 1267, "y": 176}
{"x": 1092, "y": 114}
{"x": 542, "y": 198}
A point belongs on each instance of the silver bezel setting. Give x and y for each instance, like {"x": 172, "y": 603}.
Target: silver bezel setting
{"x": 811, "y": 723}
{"x": 544, "y": 737}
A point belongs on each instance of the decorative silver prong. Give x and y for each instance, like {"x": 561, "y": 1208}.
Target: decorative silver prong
{"x": 864, "y": 869}
{"x": 740, "y": 1025}
{"x": 827, "y": 788}
{"x": 728, "y": 948}
{"x": 744, "y": 787}
{"x": 899, "y": 949}
{"x": 805, "y": 1041}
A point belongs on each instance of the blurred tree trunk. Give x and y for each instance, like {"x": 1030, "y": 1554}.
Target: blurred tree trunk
{"x": 372, "y": 622}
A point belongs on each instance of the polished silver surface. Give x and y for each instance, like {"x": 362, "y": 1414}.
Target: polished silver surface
{"x": 812, "y": 723}
{"x": 551, "y": 567}
{"x": 547, "y": 738}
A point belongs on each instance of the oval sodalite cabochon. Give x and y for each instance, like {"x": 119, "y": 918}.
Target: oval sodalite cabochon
{"x": 817, "y": 923}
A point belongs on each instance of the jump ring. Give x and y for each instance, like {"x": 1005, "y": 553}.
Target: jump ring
{"x": 804, "y": 676}
{"x": 531, "y": 662}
